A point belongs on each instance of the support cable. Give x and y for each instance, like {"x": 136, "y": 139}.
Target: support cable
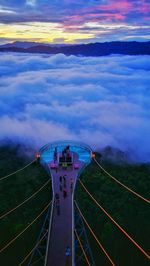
{"x": 120, "y": 183}
{"x": 22, "y": 203}
{"x": 121, "y": 229}
{"x": 27, "y": 256}
{"x": 16, "y": 237}
{"x": 86, "y": 258}
{"x": 19, "y": 170}
{"x": 100, "y": 245}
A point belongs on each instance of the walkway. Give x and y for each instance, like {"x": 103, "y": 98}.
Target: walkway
{"x": 61, "y": 233}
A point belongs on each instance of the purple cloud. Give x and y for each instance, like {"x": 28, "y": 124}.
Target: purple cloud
{"x": 74, "y": 15}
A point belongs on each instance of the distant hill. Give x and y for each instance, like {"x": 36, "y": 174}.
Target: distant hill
{"x": 115, "y": 155}
{"x": 91, "y": 49}
{"x": 26, "y": 45}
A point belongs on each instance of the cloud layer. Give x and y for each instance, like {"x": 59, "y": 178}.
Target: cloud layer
{"x": 101, "y": 101}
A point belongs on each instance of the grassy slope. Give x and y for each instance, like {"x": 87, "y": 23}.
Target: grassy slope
{"x": 130, "y": 212}
{"x": 14, "y": 190}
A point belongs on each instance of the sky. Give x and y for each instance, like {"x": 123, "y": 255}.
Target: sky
{"x": 102, "y": 101}
{"x": 74, "y": 21}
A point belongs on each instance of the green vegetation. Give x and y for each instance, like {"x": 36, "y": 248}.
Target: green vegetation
{"x": 130, "y": 212}
{"x": 13, "y": 191}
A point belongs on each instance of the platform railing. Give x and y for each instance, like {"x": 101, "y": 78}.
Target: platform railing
{"x": 66, "y": 143}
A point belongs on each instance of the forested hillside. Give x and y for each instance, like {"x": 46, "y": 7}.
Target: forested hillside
{"x": 14, "y": 190}
{"x": 128, "y": 210}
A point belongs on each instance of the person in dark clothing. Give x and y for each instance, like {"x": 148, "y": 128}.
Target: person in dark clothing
{"x": 60, "y": 179}
{"x": 71, "y": 185}
{"x": 64, "y": 177}
{"x": 64, "y": 193}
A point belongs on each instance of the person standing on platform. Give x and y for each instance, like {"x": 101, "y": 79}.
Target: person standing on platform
{"x": 64, "y": 193}
{"x": 71, "y": 184}
{"x": 60, "y": 179}
{"x": 64, "y": 179}
{"x": 67, "y": 254}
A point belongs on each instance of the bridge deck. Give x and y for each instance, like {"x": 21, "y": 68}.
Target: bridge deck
{"x": 61, "y": 227}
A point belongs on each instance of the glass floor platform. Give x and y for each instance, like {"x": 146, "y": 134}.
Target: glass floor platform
{"x": 83, "y": 150}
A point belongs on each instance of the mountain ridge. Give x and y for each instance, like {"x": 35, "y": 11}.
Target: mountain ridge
{"x": 90, "y": 49}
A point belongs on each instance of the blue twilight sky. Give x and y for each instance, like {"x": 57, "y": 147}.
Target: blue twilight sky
{"x": 74, "y": 21}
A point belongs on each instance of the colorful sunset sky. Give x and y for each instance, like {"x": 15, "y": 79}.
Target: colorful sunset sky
{"x": 74, "y": 21}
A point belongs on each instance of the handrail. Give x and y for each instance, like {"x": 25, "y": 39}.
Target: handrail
{"x": 66, "y": 142}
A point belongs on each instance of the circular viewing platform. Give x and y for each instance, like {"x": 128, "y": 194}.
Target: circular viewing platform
{"x": 84, "y": 151}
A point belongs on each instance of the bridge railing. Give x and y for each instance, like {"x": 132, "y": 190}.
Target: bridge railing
{"x": 65, "y": 143}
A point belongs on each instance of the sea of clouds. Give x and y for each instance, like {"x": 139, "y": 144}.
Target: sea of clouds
{"x": 98, "y": 100}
